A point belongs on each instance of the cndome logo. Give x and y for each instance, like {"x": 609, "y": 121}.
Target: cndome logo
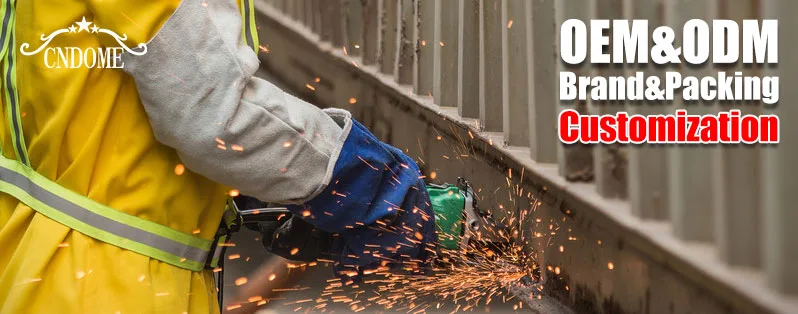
{"x": 76, "y": 57}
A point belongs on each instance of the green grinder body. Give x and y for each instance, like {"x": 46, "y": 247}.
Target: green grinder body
{"x": 448, "y": 204}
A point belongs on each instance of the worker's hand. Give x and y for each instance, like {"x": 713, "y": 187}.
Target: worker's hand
{"x": 377, "y": 206}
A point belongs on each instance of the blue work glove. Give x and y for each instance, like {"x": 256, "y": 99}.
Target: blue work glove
{"x": 377, "y": 205}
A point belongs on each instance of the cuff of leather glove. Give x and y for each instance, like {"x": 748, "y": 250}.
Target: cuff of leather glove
{"x": 376, "y": 201}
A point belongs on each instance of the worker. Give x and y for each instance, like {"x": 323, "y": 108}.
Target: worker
{"x": 115, "y": 181}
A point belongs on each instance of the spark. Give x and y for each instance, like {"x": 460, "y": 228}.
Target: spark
{"x": 234, "y": 256}
{"x": 63, "y": 244}
{"x": 31, "y": 280}
{"x": 294, "y": 251}
{"x": 610, "y": 266}
{"x": 234, "y": 193}
{"x": 237, "y": 148}
{"x": 180, "y": 169}
{"x": 471, "y": 277}
{"x": 241, "y": 281}
{"x": 233, "y": 307}
{"x": 352, "y": 101}
{"x": 265, "y": 49}
{"x": 196, "y": 231}
{"x": 510, "y": 24}
{"x": 367, "y": 163}
{"x": 287, "y": 144}
{"x": 310, "y": 87}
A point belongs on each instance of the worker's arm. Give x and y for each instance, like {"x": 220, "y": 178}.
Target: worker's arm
{"x": 197, "y": 85}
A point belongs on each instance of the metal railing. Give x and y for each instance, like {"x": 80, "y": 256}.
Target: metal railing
{"x": 496, "y": 62}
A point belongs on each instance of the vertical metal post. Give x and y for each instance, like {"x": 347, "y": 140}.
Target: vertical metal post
{"x": 490, "y": 62}
{"x": 353, "y": 25}
{"x": 610, "y": 161}
{"x": 303, "y": 10}
{"x": 332, "y": 26}
{"x": 779, "y": 184}
{"x": 305, "y": 14}
{"x": 690, "y": 179}
{"x": 429, "y": 49}
{"x": 516, "y": 57}
{"x": 736, "y": 176}
{"x": 372, "y": 31}
{"x": 390, "y": 36}
{"x": 315, "y": 15}
{"x": 541, "y": 34}
{"x": 325, "y": 14}
{"x": 339, "y": 30}
{"x": 647, "y": 175}
{"x": 407, "y": 44}
{"x": 575, "y": 160}
{"x": 449, "y": 52}
{"x": 290, "y": 11}
{"x": 468, "y": 59}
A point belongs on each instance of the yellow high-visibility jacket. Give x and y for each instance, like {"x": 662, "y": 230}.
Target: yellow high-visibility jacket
{"x": 118, "y": 135}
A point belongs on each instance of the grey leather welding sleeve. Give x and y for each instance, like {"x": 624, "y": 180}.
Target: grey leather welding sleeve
{"x": 197, "y": 86}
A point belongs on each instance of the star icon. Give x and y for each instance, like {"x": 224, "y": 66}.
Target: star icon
{"x": 72, "y": 29}
{"x": 83, "y": 25}
{"x": 94, "y": 28}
